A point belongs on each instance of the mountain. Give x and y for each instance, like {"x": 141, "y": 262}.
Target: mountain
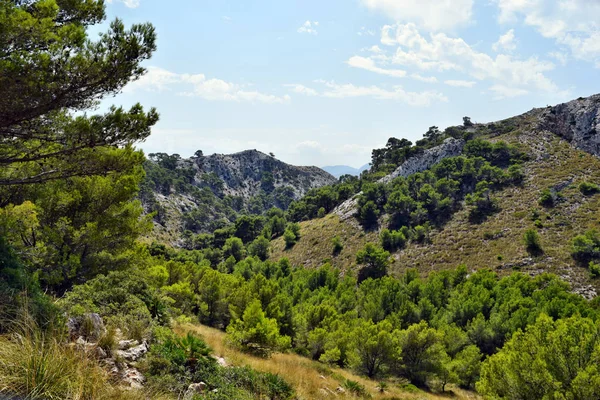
{"x": 204, "y": 193}
{"x": 249, "y": 172}
{"x": 562, "y": 149}
{"x": 339, "y": 170}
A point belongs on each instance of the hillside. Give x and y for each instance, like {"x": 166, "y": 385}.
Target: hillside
{"x": 204, "y": 193}
{"x": 562, "y": 145}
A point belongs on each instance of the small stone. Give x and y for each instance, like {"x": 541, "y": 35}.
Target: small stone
{"x": 340, "y": 389}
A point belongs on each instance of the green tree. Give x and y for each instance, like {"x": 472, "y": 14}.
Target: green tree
{"x": 374, "y": 346}
{"x": 532, "y": 242}
{"x": 289, "y": 238}
{"x": 234, "y": 247}
{"x": 256, "y": 333}
{"x": 375, "y": 262}
{"x": 50, "y": 73}
{"x": 368, "y": 214}
{"x": 420, "y": 352}
{"x": 551, "y": 359}
{"x": 260, "y": 248}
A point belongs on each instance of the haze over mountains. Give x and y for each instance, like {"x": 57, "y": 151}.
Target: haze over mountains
{"x": 339, "y": 170}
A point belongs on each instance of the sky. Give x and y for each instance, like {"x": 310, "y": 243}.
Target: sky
{"x": 323, "y": 82}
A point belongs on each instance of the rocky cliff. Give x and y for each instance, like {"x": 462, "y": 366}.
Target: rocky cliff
{"x": 577, "y": 121}
{"x": 450, "y": 148}
{"x": 248, "y": 172}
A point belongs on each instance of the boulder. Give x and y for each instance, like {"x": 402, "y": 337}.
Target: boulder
{"x": 194, "y": 389}
{"x": 132, "y": 377}
{"x": 127, "y": 344}
{"x": 88, "y": 326}
{"x": 133, "y": 353}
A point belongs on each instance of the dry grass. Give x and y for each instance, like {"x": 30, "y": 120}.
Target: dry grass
{"x": 315, "y": 246}
{"x": 310, "y": 379}
{"x": 461, "y": 242}
{"x": 43, "y": 368}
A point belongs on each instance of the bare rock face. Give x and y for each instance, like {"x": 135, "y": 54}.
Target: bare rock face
{"x": 244, "y": 173}
{"x": 577, "y": 121}
{"x": 450, "y": 148}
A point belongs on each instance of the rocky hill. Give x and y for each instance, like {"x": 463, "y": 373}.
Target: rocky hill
{"x": 204, "y": 193}
{"x": 562, "y": 144}
{"x": 247, "y": 173}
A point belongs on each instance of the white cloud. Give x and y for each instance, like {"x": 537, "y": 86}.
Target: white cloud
{"x": 309, "y": 27}
{"x": 506, "y": 42}
{"x": 342, "y": 91}
{"x": 369, "y": 65}
{"x": 197, "y": 85}
{"x": 365, "y": 32}
{"x": 433, "y": 15}
{"x": 502, "y": 91}
{"x": 571, "y": 23}
{"x": 559, "y": 56}
{"x": 441, "y": 53}
{"x": 128, "y": 3}
{"x": 301, "y": 89}
{"x": 459, "y": 83}
{"x": 426, "y": 79}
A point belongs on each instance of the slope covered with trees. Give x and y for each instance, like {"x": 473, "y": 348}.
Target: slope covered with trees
{"x": 408, "y": 281}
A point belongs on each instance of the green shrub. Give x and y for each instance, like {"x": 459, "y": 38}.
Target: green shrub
{"x": 531, "y": 238}
{"x": 547, "y": 198}
{"x": 355, "y": 388}
{"x": 392, "y": 240}
{"x": 337, "y": 245}
{"x": 289, "y": 238}
{"x": 588, "y": 189}
{"x": 321, "y": 213}
{"x": 594, "y": 269}
{"x": 587, "y": 246}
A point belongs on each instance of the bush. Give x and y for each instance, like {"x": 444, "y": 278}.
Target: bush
{"x": 586, "y": 247}
{"x": 368, "y": 214}
{"x": 375, "y": 262}
{"x": 547, "y": 198}
{"x": 337, "y": 245}
{"x": 531, "y": 238}
{"x": 355, "y": 388}
{"x": 257, "y": 334}
{"x": 588, "y": 189}
{"x": 594, "y": 270}
{"x": 260, "y": 248}
{"x": 392, "y": 240}
{"x": 289, "y": 238}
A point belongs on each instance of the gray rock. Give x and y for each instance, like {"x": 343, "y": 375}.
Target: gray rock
{"x": 450, "y": 148}
{"x": 126, "y": 344}
{"x": 577, "y": 121}
{"x": 242, "y": 173}
{"x": 221, "y": 361}
{"x": 89, "y": 326}
{"x": 132, "y": 377}
{"x": 133, "y": 353}
{"x": 194, "y": 389}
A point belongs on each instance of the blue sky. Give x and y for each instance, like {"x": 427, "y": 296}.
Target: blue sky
{"x": 324, "y": 82}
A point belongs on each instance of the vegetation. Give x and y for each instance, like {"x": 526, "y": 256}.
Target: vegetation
{"x": 76, "y": 200}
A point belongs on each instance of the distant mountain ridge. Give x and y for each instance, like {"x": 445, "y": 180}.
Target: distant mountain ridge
{"x": 339, "y": 170}
{"x": 204, "y": 193}
{"x": 248, "y": 172}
